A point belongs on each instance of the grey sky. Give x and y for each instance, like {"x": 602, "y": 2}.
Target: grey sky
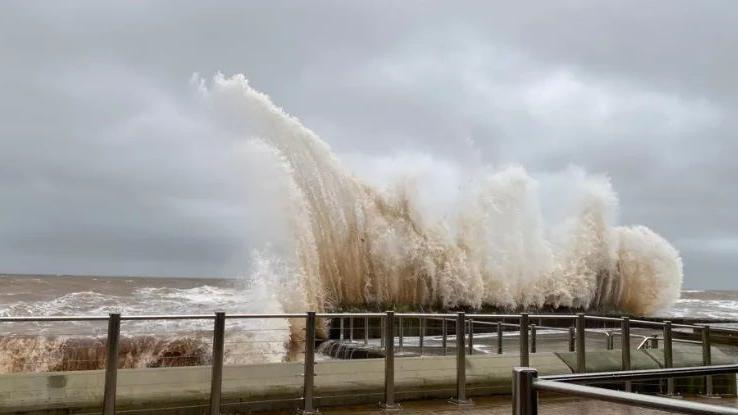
{"x": 102, "y": 171}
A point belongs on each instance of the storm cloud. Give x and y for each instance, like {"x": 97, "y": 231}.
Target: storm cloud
{"x": 106, "y": 168}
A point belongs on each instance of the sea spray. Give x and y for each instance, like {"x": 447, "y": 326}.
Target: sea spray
{"x": 357, "y": 245}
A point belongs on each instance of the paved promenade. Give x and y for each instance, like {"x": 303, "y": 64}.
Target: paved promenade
{"x": 549, "y": 405}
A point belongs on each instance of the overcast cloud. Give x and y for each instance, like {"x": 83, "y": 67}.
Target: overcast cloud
{"x": 104, "y": 171}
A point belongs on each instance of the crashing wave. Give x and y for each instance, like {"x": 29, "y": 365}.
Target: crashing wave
{"x": 357, "y": 245}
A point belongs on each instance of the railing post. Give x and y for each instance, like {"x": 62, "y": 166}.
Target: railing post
{"x": 471, "y": 336}
{"x": 460, "y": 398}
{"x": 351, "y": 329}
{"x": 581, "y": 339}
{"x": 499, "y": 337}
{"x": 111, "y": 364}
{"x": 524, "y": 357}
{"x": 366, "y": 330}
{"x": 625, "y": 348}
{"x": 571, "y": 339}
{"x": 421, "y": 334}
{"x": 707, "y": 357}
{"x": 341, "y": 329}
{"x": 444, "y": 339}
{"x": 309, "y": 370}
{"x": 389, "y": 362}
{"x": 400, "y": 332}
{"x": 610, "y": 340}
{"x": 532, "y": 338}
{"x": 525, "y": 397}
{"x": 668, "y": 356}
{"x": 216, "y": 377}
{"x": 382, "y": 330}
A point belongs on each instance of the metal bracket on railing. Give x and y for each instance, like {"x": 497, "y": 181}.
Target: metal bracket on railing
{"x": 649, "y": 342}
{"x": 610, "y": 343}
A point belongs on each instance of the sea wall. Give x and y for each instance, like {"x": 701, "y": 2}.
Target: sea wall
{"x": 336, "y": 382}
{"x": 279, "y": 385}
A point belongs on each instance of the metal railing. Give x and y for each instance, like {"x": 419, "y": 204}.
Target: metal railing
{"x": 465, "y": 325}
{"x": 527, "y": 384}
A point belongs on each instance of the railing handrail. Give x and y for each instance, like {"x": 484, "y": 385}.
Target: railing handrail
{"x": 643, "y": 374}
{"x": 633, "y": 399}
{"x": 527, "y": 384}
{"x": 480, "y": 316}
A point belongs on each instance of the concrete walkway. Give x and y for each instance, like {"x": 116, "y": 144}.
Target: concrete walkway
{"x": 549, "y": 404}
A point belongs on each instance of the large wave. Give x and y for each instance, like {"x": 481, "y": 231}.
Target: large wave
{"x": 357, "y": 245}
{"x": 492, "y": 237}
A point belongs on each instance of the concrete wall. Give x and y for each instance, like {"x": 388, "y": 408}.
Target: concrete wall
{"x": 258, "y": 386}
{"x": 336, "y": 382}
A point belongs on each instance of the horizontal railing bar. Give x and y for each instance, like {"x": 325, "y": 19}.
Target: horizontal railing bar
{"x": 566, "y": 329}
{"x": 290, "y": 315}
{"x": 634, "y": 399}
{"x": 604, "y": 318}
{"x": 684, "y": 326}
{"x": 647, "y": 374}
{"x": 647, "y": 323}
{"x": 53, "y": 318}
{"x": 553, "y": 316}
{"x": 427, "y": 315}
{"x": 338, "y": 315}
{"x": 490, "y": 323}
{"x": 170, "y": 317}
{"x": 675, "y": 340}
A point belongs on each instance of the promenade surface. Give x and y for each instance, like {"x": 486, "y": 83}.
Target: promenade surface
{"x": 548, "y": 405}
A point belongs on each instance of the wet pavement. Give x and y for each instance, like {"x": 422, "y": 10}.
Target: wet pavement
{"x": 548, "y": 404}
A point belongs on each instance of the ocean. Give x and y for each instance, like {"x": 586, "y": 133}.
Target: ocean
{"x": 80, "y": 345}
{"x": 44, "y": 295}
{"x": 27, "y": 346}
